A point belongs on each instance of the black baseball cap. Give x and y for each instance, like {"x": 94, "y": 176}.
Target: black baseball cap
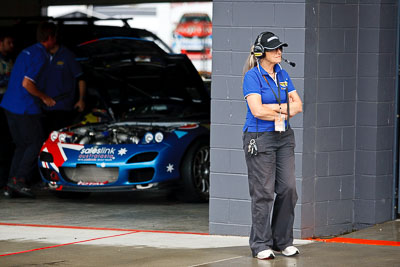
{"x": 269, "y": 41}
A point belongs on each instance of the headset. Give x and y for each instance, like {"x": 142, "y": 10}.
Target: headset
{"x": 258, "y": 49}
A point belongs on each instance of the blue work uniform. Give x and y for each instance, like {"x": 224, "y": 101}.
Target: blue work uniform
{"x": 30, "y": 64}
{"x": 60, "y": 78}
{"x": 23, "y": 112}
{"x": 254, "y": 83}
{"x": 271, "y": 171}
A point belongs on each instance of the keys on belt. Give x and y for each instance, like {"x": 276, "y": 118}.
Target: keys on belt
{"x": 252, "y": 148}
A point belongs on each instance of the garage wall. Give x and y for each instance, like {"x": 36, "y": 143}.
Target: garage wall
{"x": 236, "y": 25}
{"x": 348, "y": 120}
{"x": 345, "y": 74}
{"x": 375, "y": 112}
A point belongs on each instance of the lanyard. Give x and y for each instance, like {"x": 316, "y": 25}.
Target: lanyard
{"x": 279, "y": 89}
{"x": 279, "y": 95}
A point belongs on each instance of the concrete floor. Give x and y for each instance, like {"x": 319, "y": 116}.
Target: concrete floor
{"x": 150, "y": 229}
{"x": 150, "y": 210}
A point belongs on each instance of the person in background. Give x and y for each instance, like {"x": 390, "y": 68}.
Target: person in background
{"x": 268, "y": 142}
{"x": 62, "y": 75}
{"x": 6, "y": 64}
{"x": 22, "y": 104}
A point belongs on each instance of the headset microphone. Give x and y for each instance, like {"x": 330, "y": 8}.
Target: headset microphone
{"x": 288, "y": 62}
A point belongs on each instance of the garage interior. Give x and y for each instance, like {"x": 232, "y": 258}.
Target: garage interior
{"x": 151, "y": 210}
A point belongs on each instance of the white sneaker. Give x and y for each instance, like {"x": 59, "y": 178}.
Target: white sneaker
{"x": 266, "y": 254}
{"x": 290, "y": 251}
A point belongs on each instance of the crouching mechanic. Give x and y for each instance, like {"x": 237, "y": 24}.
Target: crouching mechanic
{"x": 22, "y": 105}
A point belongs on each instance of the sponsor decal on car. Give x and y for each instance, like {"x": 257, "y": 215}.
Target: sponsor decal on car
{"x": 122, "y": 151}
{"x": 92, "y": 183}
{"x": 170, "y": 167}
{"x": 57, "y": 150}
{"x": 97, "y": 153}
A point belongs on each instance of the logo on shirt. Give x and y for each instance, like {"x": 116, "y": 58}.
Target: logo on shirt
{"x": 60, "y": 63}
{"x": 283, "y": 84}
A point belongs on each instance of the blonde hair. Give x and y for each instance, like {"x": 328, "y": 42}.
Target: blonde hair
{"x": 251, "y": 61}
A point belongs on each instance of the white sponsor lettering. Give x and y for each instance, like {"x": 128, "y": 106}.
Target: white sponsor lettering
{"x": 92, "y": 183}
{"x": 96, "y": 150}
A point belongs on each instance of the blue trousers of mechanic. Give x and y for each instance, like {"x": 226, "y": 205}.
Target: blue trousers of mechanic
{"x": 27, "y": 134}
{"x": 270, "y": 172}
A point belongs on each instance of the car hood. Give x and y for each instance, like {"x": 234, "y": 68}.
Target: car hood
{"x": 132, "y": 72}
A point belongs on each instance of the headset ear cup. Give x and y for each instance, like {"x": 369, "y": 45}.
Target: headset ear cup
{"x": 258, "y": 51}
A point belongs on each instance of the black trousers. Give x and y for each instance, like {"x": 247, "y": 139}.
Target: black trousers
{"x": 270, "y": 172}
{"x": 27, "y": 134}
{"x": 6, "y": 148}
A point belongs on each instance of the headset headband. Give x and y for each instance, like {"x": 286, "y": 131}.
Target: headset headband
{"x": 258, "y": 49}
{"x": 259, "y": 38}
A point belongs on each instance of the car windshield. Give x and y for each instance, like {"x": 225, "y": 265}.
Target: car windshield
{"x": 138, "y": 79}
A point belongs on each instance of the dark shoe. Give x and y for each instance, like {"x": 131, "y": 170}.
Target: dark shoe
{"x": 8, "y": 193}
{"x": 19, "y": 186}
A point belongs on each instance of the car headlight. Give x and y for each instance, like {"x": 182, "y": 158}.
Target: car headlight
{"x": 158, "y": 137}
{"x": 62, "y": 137}
{"x": 54, "y": 136}
{"x": 148, "y": 137}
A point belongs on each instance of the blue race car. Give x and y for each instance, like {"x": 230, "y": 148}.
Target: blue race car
{"x": 148, "y": 126}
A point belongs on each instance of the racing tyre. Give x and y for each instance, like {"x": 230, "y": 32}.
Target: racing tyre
{"x": 71, "y": 195}
{"x": 195, "y": 172}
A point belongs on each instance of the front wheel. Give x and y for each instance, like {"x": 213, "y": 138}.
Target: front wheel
{"x": 195, "y": 172}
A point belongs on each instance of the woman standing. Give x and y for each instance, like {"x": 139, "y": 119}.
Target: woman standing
{"x": 269, "y": 144}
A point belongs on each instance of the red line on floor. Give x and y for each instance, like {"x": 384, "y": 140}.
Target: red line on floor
{"x": 66, "y": 244}
{"x": 358, "y": 241}
{"x": 100, "y": 228}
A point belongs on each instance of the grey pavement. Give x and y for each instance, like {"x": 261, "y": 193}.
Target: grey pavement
{"x": 151, "y": 229}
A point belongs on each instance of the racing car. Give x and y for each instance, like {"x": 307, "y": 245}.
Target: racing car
{"x": 148, "y": 125}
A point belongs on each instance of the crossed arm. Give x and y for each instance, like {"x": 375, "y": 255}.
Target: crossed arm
{"x": 268, "y": 112}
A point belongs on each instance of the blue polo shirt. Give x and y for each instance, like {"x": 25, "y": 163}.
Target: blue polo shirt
{"x": 254, "y": 83}
{"x": 60, "y": 78}
{"x": 30, "y": 63}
